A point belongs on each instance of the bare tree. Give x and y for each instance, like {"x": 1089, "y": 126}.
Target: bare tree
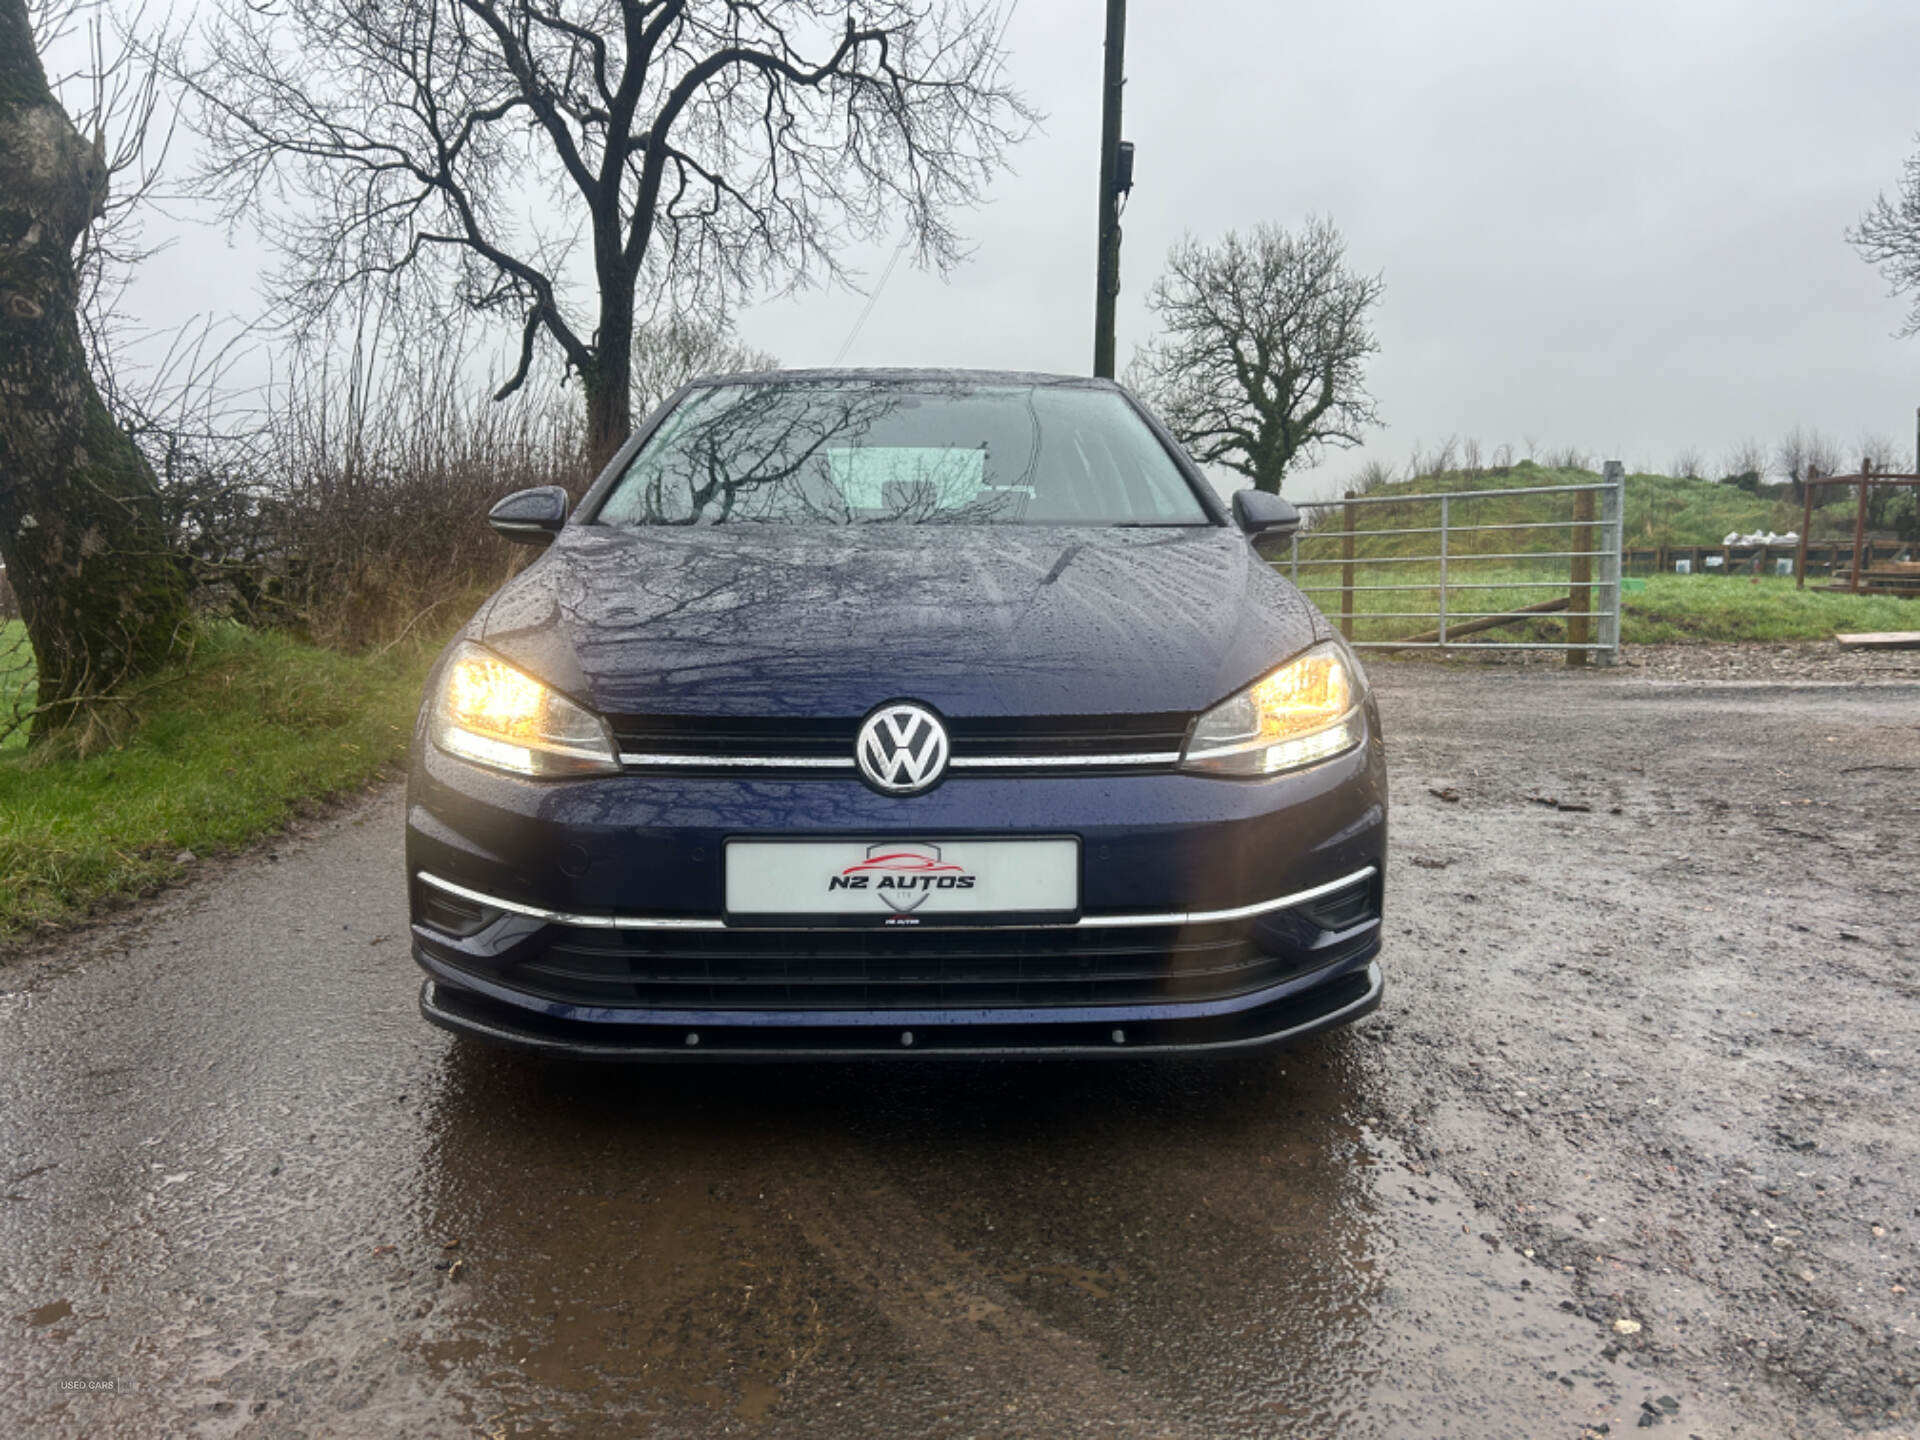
{"x": 1470, "y": 454}
{"x": 1803, "y": 454}
{"x": 1261, "y": 363}
{"x": 1503, "y": 456}
{"x": 1824, "y": 456}
{"x": 668, "y": 353}
{"x": 1888, "y": 237}
{"x": 1790, "y": 458}
{"x": 575, "y": 166}
{"x": 81, "y": 533}
{"x": 1688, "y": 464}
{"x": 1880, "y": 453}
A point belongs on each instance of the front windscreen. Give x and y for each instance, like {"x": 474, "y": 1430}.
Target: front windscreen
{"x": 859, "y": 452}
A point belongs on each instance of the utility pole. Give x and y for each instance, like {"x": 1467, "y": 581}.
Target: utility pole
{"x": 1116, "y": 179}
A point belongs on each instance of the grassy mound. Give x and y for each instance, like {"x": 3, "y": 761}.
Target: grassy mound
{"x": 1659, "y": 510}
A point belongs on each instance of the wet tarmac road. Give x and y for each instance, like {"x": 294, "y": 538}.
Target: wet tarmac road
{"x": 1623, "y": 1057}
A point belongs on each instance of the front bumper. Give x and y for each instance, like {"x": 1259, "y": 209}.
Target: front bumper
{"x": 1217, "y": 916}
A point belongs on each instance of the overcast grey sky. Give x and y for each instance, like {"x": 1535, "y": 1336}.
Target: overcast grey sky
{"x": 1617, "y": 226}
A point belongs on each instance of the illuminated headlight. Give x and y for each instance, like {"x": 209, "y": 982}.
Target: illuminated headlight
{"x": 488, "y": 712}
{"x": 1305, "y": 712}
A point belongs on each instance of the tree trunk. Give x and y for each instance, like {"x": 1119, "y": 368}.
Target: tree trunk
{"x": 1270, "y": 470}
{"x": 80, "y": 524}
{"x": 608, "y": 379}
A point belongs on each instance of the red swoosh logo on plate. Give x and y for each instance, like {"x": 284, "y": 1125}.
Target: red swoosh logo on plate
{"x": 904, "y": 860}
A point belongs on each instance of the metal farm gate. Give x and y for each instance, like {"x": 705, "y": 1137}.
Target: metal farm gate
{"x": 1475, "y": 564}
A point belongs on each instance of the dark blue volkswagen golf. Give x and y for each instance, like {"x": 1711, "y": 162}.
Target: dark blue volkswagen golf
{"x": 897, "y": 713}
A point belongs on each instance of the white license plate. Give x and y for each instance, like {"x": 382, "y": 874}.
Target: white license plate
{"x": 901, "y": 882}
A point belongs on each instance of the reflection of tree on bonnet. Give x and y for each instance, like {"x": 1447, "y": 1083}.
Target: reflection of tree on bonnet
{"x": 792, "y": 452}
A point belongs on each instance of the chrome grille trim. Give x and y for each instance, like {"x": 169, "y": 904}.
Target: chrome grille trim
{"x": 958, "y": 762}
{"x": 1085, "y": 922}
{"x": 746, "y": 762}
{"x": 1041, "y": 762}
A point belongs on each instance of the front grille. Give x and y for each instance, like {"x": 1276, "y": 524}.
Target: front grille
{"x": 680, "y": 742}
{"x": 747, "y": 735}
{"x": 861, "y": 970}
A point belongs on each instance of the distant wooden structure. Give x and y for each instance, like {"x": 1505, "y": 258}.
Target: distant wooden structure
{"x": 1866, "y": 574}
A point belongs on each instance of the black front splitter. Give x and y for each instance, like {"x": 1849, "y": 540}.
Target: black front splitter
{"x": 1336, "y": 1002}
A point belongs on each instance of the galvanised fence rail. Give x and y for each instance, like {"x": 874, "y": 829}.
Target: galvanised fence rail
{"x": 1473, "y": 565}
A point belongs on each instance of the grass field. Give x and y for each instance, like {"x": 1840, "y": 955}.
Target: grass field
{"x": 1703, "y": 607}
{"x": 259, "y": 728}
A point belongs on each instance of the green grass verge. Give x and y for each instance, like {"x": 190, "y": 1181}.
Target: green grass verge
{"x": 259, "y": 727}
{"x": 1704, "y": 607}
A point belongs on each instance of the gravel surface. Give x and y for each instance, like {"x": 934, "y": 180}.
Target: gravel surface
{"x": 1677, "y": 1059}
{"x": 1633, "y": 1143}
{"x": 1821, "y": 662}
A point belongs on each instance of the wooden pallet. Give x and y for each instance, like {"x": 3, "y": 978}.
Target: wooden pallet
{"x": 1881, "y": 640}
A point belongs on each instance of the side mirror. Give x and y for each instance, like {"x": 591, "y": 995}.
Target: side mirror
{"x": 530, "y": 517}
{"x": 1258, "y": 513}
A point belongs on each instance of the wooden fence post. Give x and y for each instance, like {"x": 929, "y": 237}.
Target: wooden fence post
{"x": 1806, "y": 529}
{"x": 1859, "y": 533}
{"x": 1580, "y": 594}
{"x": 1346, "y": 570}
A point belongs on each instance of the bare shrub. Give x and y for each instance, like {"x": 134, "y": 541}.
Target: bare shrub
{"x": 1568, "y": 457}
{"x": 1688, "y": 464}
{"x": 1443, "y": 458}
{"x": 1470, "y": 455}
{"x": 1748, "y": 458}
{"x": 1370, "y": 476}
{"x": 668, "y": 353}
{"x": 1503, "y": 456}
{"x": 347, "y": 501}
{"x": 377, "y": 524}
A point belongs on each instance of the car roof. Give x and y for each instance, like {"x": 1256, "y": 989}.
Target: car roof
{"x": 909, "y": 377}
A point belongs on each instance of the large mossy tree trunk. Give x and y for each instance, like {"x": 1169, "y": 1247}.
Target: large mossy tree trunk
{"x": 80, "y": 522}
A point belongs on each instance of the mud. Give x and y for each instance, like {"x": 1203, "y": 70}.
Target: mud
{"x": 1632, "y": 1142}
